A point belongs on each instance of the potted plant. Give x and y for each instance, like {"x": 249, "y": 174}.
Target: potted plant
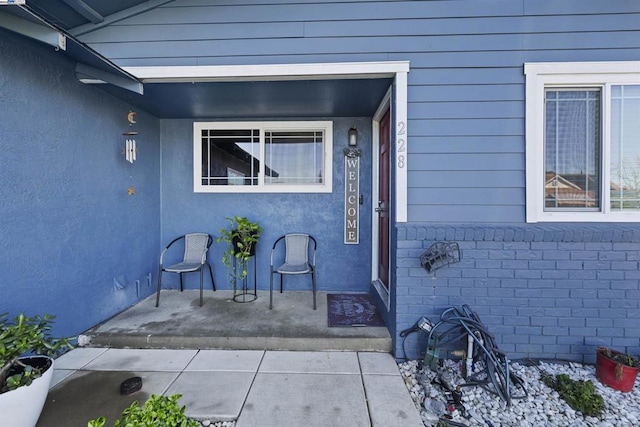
{"x": 26, "y": 367}
{"x": 241, "y": 238}
{"x": 615, "y": 369}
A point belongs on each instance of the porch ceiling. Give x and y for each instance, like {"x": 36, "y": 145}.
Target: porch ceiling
{"x": 259, "y": 99}
{"x": 357, "y": 96}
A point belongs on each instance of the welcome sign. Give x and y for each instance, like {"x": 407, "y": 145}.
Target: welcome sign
{"x": 351, "y": 197}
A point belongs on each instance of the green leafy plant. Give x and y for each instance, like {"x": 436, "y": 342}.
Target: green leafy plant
{"x": 22, "y": 337}
{"x": 580, "y": 395}
{"x": 98, "y": 422}
{"x": 621, "y": 358}
{"x": 241, "y": 236}
{"x": 158, "y": 411}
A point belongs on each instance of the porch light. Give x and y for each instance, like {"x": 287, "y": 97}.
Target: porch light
{"x": 353, "y": 136}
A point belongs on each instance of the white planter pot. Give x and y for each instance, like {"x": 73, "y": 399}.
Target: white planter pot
{"x": 21, "y": 407}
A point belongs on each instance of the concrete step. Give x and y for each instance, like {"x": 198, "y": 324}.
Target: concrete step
{"x": 221, "y": 323}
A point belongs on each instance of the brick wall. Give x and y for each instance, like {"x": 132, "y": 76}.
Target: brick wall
{"x": 552, "y": 292}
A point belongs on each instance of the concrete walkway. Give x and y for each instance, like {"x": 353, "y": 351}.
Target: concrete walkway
{"x": 254, "y": 387}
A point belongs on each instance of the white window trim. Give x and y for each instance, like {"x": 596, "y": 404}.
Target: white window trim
{"x": 263, "y": 126}
{"x": 579, "y": 74}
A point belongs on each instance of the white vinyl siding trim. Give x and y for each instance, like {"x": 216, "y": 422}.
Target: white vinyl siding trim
{"x": 261, "y": 187}
{"x": 270, "y": 72}
{"x": 401, "y": 146}
{"x": 541, "y": 76}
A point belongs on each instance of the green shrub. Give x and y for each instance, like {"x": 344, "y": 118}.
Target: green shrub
{"x": 580, "y": 395}
{"x": 22, "y": 337}
{"x": 158, "y": 411}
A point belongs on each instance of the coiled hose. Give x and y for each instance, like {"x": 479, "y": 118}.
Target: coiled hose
{"x": 495, "y": 376}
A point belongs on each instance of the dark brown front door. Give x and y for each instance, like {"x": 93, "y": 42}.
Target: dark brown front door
{"x": 383, "y": 201}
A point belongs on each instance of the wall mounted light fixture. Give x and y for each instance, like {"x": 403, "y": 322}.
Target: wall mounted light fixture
{"x": 353, "y": 136}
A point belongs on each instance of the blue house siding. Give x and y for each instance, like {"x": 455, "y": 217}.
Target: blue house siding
{"x": 466, "y": 84}
{"x": 545, "y": 291}
{"x": 68, "y": 226}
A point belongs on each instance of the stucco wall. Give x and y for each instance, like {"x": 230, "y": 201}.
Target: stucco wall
{"x": 67, "y": 224}
{"x": 545, "y": 291}
{"x": 340, "y": 267}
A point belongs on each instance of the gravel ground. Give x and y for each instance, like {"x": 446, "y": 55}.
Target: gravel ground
{"x": 207, "y": 423}
{"x": 542, "y": 406}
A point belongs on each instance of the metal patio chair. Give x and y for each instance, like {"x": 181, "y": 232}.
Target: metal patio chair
{"x": 296, "y": 260}
{"x": 196, "y": 246}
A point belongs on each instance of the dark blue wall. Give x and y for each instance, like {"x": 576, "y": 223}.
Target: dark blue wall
{"x": 67, "y": 224}
{"x": 340, "y": 267}
{"x": 548, "y": 292}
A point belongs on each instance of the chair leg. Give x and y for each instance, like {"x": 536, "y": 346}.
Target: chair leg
{"x": 181, "y": 288}
{"x": 313, "y": 284}
{"x": 213, "y": 284}
{"x": 159, "y": 286}
{"x": 271, "y": 290}
{"x": 281, "y": 276}
{"x": 201, "y": 271}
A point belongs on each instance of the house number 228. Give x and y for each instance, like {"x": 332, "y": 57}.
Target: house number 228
{"x": 401, "y": 144}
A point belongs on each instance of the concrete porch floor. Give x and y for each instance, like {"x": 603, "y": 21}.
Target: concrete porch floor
{"x": 180, "y": 323}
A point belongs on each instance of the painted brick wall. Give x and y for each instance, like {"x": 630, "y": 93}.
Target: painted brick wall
{"x": 545, "y": 291}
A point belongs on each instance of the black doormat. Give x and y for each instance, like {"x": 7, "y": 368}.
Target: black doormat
{"x": 353, "y": 310}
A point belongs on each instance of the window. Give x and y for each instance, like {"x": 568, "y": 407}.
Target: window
{"x": 583, "y": 142}
{"x": 228, "y": 157}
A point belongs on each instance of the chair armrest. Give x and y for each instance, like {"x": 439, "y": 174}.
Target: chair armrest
{"x": 313, "y": 257}
{"x": 273, "y": 249}
{"x": 168, "y": 246}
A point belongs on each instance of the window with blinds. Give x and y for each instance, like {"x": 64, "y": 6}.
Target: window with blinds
{"x": 625, "y": 148}
{"x": 263, "y": 156}
{"x": 583, "y": 141}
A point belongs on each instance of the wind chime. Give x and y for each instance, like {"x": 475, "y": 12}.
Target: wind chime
{"x": 130, "y": 146}
{"x": 130, "y": 149}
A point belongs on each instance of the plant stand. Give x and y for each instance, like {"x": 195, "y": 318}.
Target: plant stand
{"x": 245, "y": 293}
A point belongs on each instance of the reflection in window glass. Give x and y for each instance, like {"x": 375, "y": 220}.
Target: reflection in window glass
{"x": 263, "y": 157}
{"x": 572, "y": 149}
{"x": 293, "y": 157}
{"x": 229, "y": 157}
{"x": 625, "y": 148}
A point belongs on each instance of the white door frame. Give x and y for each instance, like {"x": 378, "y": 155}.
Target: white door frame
{"x": 395, "y": 100}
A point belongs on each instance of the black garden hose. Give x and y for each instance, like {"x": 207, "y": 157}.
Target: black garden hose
{"x": 495, "y": 377}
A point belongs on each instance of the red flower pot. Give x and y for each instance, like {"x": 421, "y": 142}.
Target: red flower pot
{"x": 616, "y": 375}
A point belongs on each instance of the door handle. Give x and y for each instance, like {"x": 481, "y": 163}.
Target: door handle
{"x": 380, "y": 207}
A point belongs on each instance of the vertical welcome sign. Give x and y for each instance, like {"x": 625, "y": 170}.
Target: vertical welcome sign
{"x": 351, "y": 196}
